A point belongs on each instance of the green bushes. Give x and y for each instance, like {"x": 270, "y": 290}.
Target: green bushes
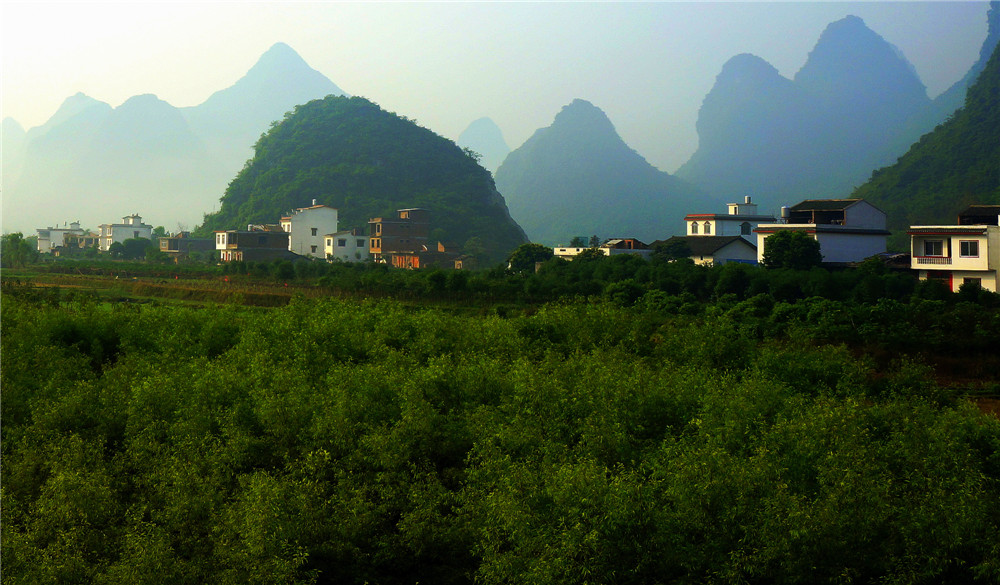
{"x": 749, "y": 440}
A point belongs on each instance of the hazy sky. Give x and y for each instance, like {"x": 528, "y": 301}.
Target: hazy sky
{"x": 647, "y": 65}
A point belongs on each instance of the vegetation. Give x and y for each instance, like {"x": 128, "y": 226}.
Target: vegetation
{"x": 350, "y": 154}
{"x": 792, "y": 249}
{"x": 662, "y": 422}
{"x": 948, "y": 169}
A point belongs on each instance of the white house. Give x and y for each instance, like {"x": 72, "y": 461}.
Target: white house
{"x": 346, "y": 246}
{"x": 130, "y": 227}
{"x": 740, "y": 220}
{"x": 612, "y": 247}
{"x": 717, "y": 250}
{"x": 307, "y": 227}
{"x": 55, "y": 237}
{"x": 957, "y": 254}
{"x": 848, "y": 230}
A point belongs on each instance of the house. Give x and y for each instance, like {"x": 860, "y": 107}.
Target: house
{"x": 258, "y": 243}
{"x": 180, "y": 245}
{"x": 968, "y": 252}
{"x": 130, "y": 227}
{"x": 848, "y": 230}
{"x": 612, "y": 247}
{"x": 740, "y": 220}
{"x": 346, "y": 246}
{"x": 442, "y": 255}
{"x": 716, "y": 250}
{"x": 51, "y": 238}
{"x": 308, "y": 227}
{"x": 405, "y": 234}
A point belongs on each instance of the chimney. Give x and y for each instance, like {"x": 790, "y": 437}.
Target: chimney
{"x": 314, "y": 203}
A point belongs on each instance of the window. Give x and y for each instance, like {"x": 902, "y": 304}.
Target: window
{"x": 969, "y": 248}
{"x": 973, "y": 281}
{"x": 745, "y": 228}
{"x": 694, "y": 227}
{"x": 933, "y": 248}
{"x": 313, "y": 231}
{"x": 342, "y": 242}
{"x": 708, "y": 228}
{"x": 361, "y": 243}
{"x": 329, "y": 241}
{"x": 312, "y": 249}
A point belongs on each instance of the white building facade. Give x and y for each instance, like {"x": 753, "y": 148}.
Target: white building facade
{"x": 55, "y": 237}
{"x": 848, "y": 230}
{"x": 967, "y": 253}
{"x": 308, "y": 227}
{"x": 740, "y": 220}
{"x": 346, "y": 246}
{"x": 130, "y": 227}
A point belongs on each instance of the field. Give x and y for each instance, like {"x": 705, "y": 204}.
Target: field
{"x": 198, "y": 430}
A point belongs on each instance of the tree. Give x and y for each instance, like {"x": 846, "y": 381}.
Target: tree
{"x": 135, "y": 248}
{"x": 16, "y": 251}
{"x": 796, "y": 250}
{"x": 672, "y": 249}
{"x": 595, "y": 241}
{"x": 526, "y": 255}
{"x": 578, "y": 242}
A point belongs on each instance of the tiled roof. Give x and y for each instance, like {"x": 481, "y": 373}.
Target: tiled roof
{"x": 824, "y": 204}
{"x": 709, "y": 245}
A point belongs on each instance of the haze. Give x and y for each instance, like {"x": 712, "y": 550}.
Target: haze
{"x": 647, "y": 65}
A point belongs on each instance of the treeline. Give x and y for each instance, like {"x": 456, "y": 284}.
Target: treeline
{"x": 583, "y": 441}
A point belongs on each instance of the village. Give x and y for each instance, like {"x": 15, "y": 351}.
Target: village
{"x": 848, "y": 231}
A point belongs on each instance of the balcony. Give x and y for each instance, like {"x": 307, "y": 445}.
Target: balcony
{"x": 925, "y": 260}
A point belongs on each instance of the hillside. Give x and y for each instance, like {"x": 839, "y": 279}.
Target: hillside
{"x": 483, "y": 136}
{"x": 577, "y": 177}
{"x": 350, "y": 154}
{"x": 955, "y": 165}
{"x": 817, "y": 135}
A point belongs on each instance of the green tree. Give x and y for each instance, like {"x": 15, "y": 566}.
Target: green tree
{"x": 135, "y": 248}
{"x": 595, "y": 241}
{"x": 16, "y": 251}
{"x": 526, "y": 255}
{"x": 672, "y": 249}
{"x": 791, "y": 249}
{"x": 578, "y": 242}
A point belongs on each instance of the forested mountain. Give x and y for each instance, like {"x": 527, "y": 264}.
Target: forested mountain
{"x": 818, "y": 135}
{"x": 484, "y": 137}
{"x": 955, "y": 165}
{"x": 577, "y": 177}
{"x": 94, "y": 163}
{"x": 350, "y": 154}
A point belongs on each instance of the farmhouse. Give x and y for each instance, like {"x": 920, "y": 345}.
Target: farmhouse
{"x": 966, "y": 253}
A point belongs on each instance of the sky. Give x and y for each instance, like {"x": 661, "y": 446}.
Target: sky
{"x": 647, "y": 65}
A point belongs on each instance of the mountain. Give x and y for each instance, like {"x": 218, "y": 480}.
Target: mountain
{"x": 817, "y": 135}
{"x": 350, "y": 154}
{"x": 94, "y": 163}
{"x": 577, "y": 177}
{"x": 484, "y": 137}
{"x": 956, "y": 165}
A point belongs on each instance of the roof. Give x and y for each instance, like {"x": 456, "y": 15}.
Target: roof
{"x": 727, "y": 217}
{"x": 824, "y": 204}
{"x": 709, "y": 245}
{"x": 980, "y": 214}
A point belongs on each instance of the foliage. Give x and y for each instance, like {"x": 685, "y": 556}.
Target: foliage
{"x": 526, "y": 256}
{"x": 16, "y": 251}
{"x": 791, "y": 249}
{"x": 335, "y": 441}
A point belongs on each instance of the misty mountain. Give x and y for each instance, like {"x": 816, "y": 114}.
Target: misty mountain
{"x": 484, "y": 137}
{"x": 577, "y": 177}
{"x": 350, "y": 154}
{"x": 818, "y": 135}
{"x": 956, "y": 165}
{"x": 94, "y": 163}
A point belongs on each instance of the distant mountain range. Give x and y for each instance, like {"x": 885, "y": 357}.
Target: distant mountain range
{"x": 956, "y": 165}
{"x": 94, "y": 163}
{"x": 856, "y": 105}
{"x": 578, "y": 178}
{"x": 483, "y": 137}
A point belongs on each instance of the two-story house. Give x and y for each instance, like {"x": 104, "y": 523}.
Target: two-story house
{"x": 346, "y": 246}
{"x": 740, "y": 220}
{"x": 968, "y": 252}
{"x": 308, "y": 227}
{"x": 848, "y": 230}
{"x": 181, "y": 245}
{"x": 258, "y": 243}
{"x": 52, "y": 238}
{"x": 130, "y": 227}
